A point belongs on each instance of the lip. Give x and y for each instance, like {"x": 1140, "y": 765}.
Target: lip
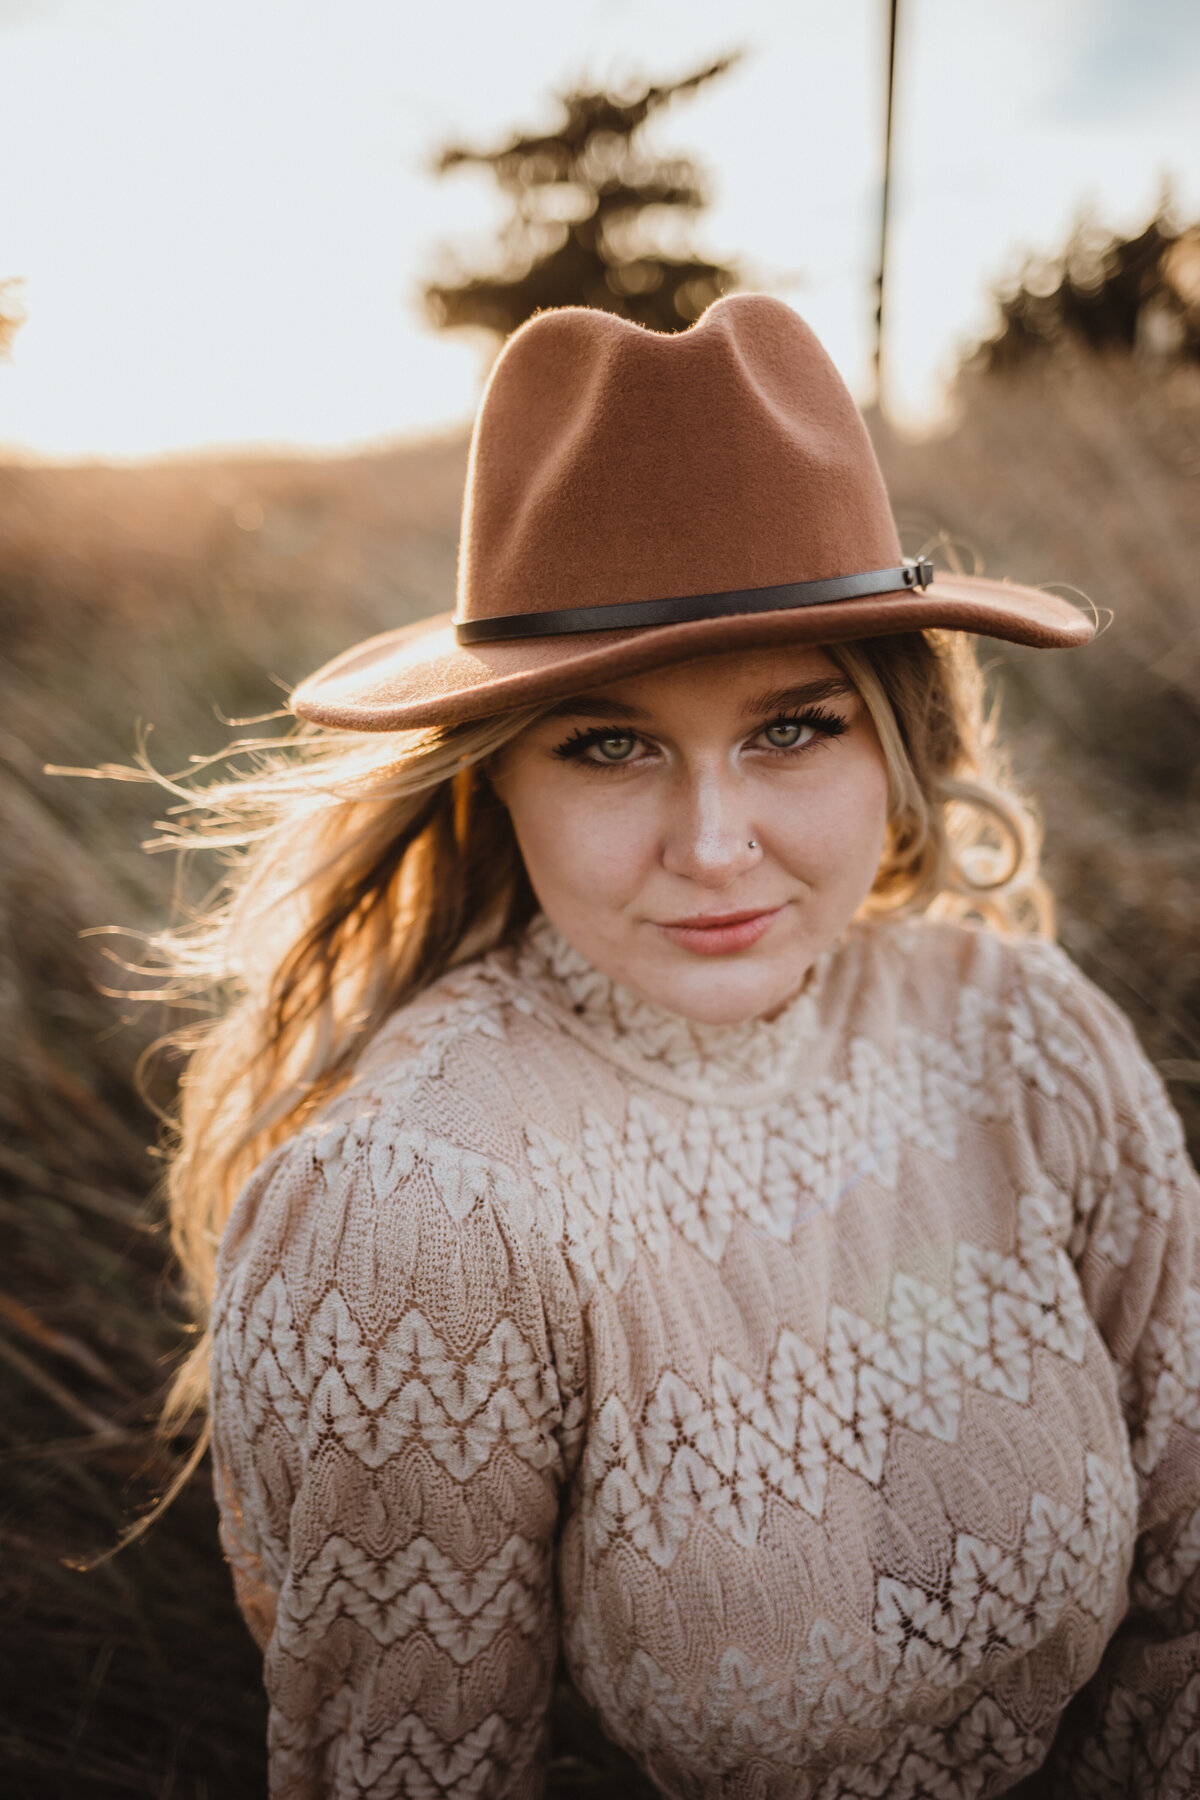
{"x": 720, "y": 934}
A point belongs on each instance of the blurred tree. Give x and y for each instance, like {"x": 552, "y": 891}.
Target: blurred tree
{"x": 1105, "y": 292}
{"x": 12, "y": 314}
{"x": 596, "y": 221}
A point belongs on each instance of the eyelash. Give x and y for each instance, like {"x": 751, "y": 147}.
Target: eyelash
{"x": 828, "y": 724}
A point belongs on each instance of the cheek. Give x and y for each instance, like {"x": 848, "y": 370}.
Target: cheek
{"x": 836, "y": 841}
{"x": 579, "y": 846}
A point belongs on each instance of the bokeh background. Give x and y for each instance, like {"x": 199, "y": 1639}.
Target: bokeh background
{"x": 254, "y": 260}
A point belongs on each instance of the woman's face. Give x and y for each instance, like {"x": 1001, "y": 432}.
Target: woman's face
{"x": 702, "y": 833}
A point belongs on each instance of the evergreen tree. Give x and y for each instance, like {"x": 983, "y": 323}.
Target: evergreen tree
{"x": 596, "y": 220}
{"x": 1104, "y": 292}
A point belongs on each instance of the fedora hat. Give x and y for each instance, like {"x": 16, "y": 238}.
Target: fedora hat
{"x": 636, "y": 498}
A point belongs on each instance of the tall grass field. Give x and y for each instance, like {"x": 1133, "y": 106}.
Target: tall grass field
{"x": 153, "y": 605}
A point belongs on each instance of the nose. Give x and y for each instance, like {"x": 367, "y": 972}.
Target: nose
{"x": 708, "y": 836}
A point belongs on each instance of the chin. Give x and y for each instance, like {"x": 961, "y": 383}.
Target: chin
{"x": 728, "y": 995}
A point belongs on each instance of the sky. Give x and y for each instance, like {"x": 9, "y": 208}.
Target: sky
{"x": 222, "y": 214}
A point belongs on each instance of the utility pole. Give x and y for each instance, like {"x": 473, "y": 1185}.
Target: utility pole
{"x": 893, "y": 8}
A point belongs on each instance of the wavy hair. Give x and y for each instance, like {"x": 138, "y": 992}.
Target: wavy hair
{"x": 360, "y": 867}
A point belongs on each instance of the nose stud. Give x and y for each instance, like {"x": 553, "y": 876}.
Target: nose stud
{"x": 753, "y": 844}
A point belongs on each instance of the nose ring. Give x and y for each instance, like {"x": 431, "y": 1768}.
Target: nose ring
{"x": 753, "y": 844}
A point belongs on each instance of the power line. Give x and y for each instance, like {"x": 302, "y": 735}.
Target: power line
{"x": 893, "y": 8}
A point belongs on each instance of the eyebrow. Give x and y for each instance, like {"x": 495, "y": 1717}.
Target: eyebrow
{"x": 593, "y": 706}
{"x": 807, "y": 693}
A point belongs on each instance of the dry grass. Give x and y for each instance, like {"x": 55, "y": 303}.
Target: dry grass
{"x": 151, "y": 594}
{"x": 134, "y": 596}
{"x": 1087, "y": 472}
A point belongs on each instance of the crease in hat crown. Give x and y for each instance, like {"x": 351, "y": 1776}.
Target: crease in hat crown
{"x": 636, "y": 498}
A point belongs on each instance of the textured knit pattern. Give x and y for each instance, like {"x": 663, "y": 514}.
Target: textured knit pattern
{"x": 825, "y": 1391}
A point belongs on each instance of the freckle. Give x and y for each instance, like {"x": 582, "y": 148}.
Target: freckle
{"x": 578, "y": 1007}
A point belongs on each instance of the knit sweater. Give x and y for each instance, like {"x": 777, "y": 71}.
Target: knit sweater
{"x": 826, "y": 1391}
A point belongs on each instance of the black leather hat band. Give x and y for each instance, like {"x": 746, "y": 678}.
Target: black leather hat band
{"x": 690, "y": 607}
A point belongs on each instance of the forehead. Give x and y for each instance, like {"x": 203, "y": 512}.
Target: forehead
{"x": 731, "y": 681}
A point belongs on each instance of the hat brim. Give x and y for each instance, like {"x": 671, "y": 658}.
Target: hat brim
{"x": 420, "y": 675}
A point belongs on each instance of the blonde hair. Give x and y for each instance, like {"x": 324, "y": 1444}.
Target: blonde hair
{"x": 360, "y": 867}
{"x": 961, "y": 842}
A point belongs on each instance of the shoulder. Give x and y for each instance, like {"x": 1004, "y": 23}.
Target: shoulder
{"x": 469, "y": 1057}
{"x": 933, "y": 959}
{"x": 1018, "y": 1001}
{"x": 414, "y": 1178}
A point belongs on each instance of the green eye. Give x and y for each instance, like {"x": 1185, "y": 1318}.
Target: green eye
{"x": 616, "y": 748}
{"x": 785, "y": 734}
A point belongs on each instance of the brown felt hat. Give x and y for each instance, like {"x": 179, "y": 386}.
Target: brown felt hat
{"x": 636, "y": 498}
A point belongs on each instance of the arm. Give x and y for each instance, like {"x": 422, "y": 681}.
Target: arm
{"x": 388, "y": 1444}
{"x": 1135, "y": 1728}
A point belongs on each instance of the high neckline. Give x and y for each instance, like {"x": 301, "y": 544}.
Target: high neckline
{"x": 727, "y": 1060}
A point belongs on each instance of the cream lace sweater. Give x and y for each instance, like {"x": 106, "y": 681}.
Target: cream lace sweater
{"x": 827, "y": 1391}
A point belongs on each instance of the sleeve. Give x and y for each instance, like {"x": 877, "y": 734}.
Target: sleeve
{"x": 1135, "y": 1727}
{"x": 391, "y": 1428}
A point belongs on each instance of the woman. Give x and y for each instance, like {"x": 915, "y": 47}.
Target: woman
{"x": 688, "y": 1221}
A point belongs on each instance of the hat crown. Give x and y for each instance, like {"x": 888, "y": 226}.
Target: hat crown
{"x": 610, "y": 463}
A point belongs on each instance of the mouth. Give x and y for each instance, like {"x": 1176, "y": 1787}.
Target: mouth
{"x": 719, "y": 934}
